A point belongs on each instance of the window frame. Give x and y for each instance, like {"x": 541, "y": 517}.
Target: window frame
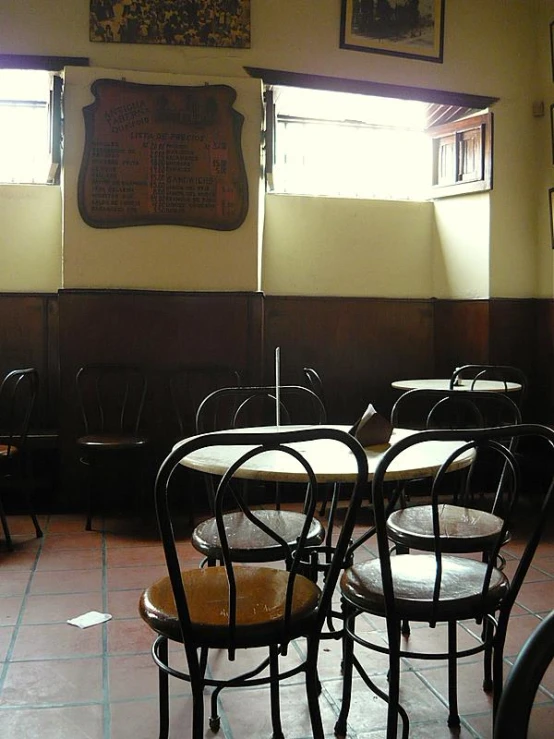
{"x": 279, "y": 78}
{"x": 54, "y": 64}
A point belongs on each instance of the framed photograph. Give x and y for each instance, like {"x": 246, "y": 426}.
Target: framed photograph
{"x": 224, "y": 23}
{"x": 551, "y": 211}
{"x": 409, "y": 28}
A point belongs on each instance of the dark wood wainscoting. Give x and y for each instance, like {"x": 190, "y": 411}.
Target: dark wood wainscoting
{"x": 359, "y": 345}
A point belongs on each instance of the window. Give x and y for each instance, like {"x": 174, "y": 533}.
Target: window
{"x": 361, "y": 139}
{"x": 30, "y": 118}
{"x": 25, "y": 113}
{"x": 356, "y": 146}
{"x": 462, "y": 156}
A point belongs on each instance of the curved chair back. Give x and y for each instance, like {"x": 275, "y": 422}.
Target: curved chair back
{"x": 18, "y": 393}
{"x": 111, "y": 397}
{"x": 235, "y": 407}
{"x": 315, "y": 382}
{"x": 502, "y": 372}
{"x": 514, "y": 709}
{"x": 190, "y": 384}
{"x": 233, "y": 631}
{"x": 425, "y": 409}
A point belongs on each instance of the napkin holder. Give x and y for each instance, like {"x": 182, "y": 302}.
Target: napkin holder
{"x": 371, "y": 428}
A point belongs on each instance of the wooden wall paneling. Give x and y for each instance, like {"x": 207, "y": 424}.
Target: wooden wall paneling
{"x": 358, "y": 345}
{"x": 159, "y": 331}
{"x": 541, "y": 389}
{"x": 461, "y": 329}
{"x": 513, "y": 341}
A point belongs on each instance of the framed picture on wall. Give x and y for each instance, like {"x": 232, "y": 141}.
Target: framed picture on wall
{"x": 220, "y": 23}
{"x": 409, "y": 28}
{"x": 551, "y": 211}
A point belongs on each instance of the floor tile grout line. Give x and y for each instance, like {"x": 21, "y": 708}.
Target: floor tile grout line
{"x": 18, "y": 623}
{"x": 107, "y": 714}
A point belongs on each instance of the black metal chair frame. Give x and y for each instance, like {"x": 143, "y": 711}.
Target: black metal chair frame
{"x": 239, "y": 402}
{"x": 103, "y": 437}
{"x": 492, "y": 612}
{"x": 18, "y": 393}
{"x": 194, "y": 645}
{"x": 502, "y": 372}
{"x": 513, "y": 714}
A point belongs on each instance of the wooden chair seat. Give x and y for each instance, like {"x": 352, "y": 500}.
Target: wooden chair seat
{"x": 260, "y": 605}
{"x": 461, "y": 529}
{"x": 105, "y": 442}
{"x": 251, "y": 544}
{"x": 8, "y": 451}
{"x": 414, "y": 581}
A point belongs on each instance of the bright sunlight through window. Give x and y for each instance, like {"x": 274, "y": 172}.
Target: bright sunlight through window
{"x": 355, "y": 146}
{"x": 24, "y": 126}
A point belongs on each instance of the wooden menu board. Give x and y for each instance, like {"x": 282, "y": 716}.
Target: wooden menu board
{"x": 162, "y": 154}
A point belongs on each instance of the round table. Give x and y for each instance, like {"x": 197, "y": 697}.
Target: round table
{"x": 330, "y": 460}
{"x": 490, "y": 386}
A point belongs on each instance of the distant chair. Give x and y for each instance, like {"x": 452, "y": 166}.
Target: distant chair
{"x": 18, "y": 393}
{"x": 230, "y": 408}
{"x": 502, "y": 372}
{"x": 111, "y": 400}
{"x": 315, "y": 383}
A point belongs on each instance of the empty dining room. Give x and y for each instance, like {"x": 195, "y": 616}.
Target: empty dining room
{"x": 366, "y": 185}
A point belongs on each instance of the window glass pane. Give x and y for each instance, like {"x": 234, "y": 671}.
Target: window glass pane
{"x": 357, "y": 146}
{"x": 24, "y": 126}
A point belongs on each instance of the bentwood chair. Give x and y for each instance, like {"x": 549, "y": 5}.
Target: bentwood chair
{"x": 514, "y": 713}
{"x": 234, "y": 607}
{"x": 236, "y": 407}
{"x": 437, "y": 587}
{"x": 111, "y": 399}
{"x": 18, "y": 393}
{"x": 502, "y": 372}
{"x": 469, "y": 521}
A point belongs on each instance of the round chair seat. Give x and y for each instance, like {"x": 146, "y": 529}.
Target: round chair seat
{"x": 8, "y": 451}
{"x": 414, "y": 578}
{"x": 247, "y": 542}
{"x": 461, "y": 529}
{"x": 111, "y": 441}
{"x": 260, "y": 605}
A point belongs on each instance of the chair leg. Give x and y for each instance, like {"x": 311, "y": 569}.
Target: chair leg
{"x": 25, "y": 486}
{"x": 163, "y": 692}
{"x": 453, "y": 715}
{"x": 90, "y": 491}
{"x": 198, "y": 712}
{"x": 347, "y": 668}
{"x": 274, "y": 693}
{"x": 313, "y": 689}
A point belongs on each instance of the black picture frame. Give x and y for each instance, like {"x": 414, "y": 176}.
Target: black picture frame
{"x": 413, "y": 29}
{"x": 551, "y": 212}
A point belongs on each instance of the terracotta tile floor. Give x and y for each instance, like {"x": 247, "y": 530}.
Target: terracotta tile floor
{"x": 60, "y": 682}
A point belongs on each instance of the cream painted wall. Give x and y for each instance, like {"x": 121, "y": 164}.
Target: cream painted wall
{"x": 30, "y": 238}
{"x": 461, "y": 247}
{"x": 158, "y": 257}
{"x": 493, "y": 48}
{"x": 333, "y": 246}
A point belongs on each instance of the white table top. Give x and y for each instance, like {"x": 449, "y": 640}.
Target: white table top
{"x": 490, "y": 386}
{"x": 330, "y": 460}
